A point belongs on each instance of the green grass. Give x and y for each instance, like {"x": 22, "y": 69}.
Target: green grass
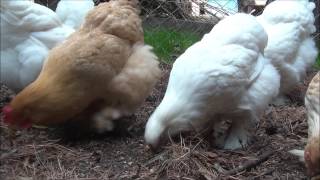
{"x": 317, "y": 65}
{"x": 169, "y": 44}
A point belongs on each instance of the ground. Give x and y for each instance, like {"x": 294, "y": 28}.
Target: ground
{"x": 63, "y": 153}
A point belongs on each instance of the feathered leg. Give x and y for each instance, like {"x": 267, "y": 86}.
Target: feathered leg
{"x": 239, "y": 132}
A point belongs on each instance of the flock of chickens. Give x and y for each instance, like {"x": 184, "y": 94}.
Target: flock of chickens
{"x": 86, "y": 63}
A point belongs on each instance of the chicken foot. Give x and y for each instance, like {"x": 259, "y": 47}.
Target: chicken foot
{"x": 238, "y": 134}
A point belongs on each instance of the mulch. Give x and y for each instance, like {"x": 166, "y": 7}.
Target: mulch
{"x": 55, "y": 153}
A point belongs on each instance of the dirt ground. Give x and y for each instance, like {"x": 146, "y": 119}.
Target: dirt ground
{"x": 67, "y": 153}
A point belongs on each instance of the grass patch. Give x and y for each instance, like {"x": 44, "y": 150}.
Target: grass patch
{"x": 169, "y": 44}
{"x": 317, "y": 64}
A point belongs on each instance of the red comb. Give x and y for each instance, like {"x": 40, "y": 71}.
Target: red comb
{"x": 7, "y": 118}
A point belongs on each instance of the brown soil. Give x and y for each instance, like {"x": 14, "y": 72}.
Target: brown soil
{"x": 65, "y": 153}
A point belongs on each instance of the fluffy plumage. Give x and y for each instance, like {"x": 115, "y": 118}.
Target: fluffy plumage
{"x": 101, "y": 72}
{"x": 28, "y": 32}
{"x": 73, "y": 12}
{"x": 311, "y": 154}
{"x": 290, "y": 48}
{"x": 224, "y": 76}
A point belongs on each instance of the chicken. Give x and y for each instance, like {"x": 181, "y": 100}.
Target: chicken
{"x": 290, "y": 48}
{"x": 28, "y": 32}
{"x": 102, "y": 72}
{"x": 73, "y": 12}
{"x": 224, "y": 76}
{"x": 311, "y": 154}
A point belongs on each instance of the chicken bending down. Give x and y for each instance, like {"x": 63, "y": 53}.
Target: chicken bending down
{"x": 224, "y": 76}
{"x": 311, "y": 154}
{"x": 101, "y": 72}
{"x": 28, "y": 32}
{"x": 290, "y": 48}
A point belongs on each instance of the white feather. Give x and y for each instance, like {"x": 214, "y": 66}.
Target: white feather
{"x": 73, "y": 12}
{"x": 224, "y": 74}
{"x": 298, "y": 153}
{"x": 28, "y": 32}
{"x": 289, "y": 25}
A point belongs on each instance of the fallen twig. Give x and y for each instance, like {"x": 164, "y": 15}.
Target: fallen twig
{"x": 250, "y": 164}
{"x": 218, "y": 168}
{"x": 263, "y": 174}
{"x": 154, "y": 159}
{"x": 6, "y": 155}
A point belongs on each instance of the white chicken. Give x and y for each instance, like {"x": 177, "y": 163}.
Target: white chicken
{"x": 224, "y": 76}
{"x": 73, "y": 12}
{"x": 28, "y": 32}
{"x": 291, "y": 49}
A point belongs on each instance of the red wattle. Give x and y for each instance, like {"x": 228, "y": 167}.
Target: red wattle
{"x": 7, "y": 118}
